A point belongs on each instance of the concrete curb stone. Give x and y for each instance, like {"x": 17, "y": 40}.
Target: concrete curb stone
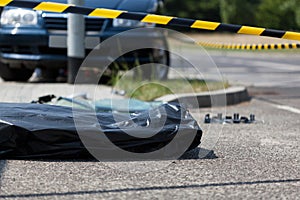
{"x": 233, "y": 95}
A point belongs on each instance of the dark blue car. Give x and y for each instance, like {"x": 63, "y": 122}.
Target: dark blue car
{"x": 34, "y": 39}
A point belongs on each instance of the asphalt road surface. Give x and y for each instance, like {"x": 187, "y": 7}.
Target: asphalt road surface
{"x": 260, "y": 160}
{"x": 259, "y": 68}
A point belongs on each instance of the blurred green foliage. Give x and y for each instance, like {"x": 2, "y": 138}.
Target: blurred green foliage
{"x": 277, "y": 14}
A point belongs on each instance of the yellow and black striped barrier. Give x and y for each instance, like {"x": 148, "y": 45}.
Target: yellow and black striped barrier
{"x": 250, "y": 46}
{"x": 150, "y": 18}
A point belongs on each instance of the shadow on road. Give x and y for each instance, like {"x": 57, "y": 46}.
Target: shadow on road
{"x": 199, "y": 153}
{"x": 2, "y": 169}
{"x": 194, "y": 154}
{"x": 196, "y": 186}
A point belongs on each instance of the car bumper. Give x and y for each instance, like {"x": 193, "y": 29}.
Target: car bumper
{"x": 37, "y": 47}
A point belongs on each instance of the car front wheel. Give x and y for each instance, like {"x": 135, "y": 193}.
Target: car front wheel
{"x": 14, "y": 74}
{"x": 160, "y": 69}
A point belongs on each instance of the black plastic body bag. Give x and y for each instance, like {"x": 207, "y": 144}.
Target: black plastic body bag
{"x": 38, "y": 131}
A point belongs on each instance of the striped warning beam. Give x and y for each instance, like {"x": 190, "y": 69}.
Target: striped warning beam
{"x": 250, "y": 46}
{"x": 150, "y": 18}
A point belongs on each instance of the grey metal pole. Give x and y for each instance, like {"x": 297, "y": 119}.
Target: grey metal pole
{"x": 75, "y": 42}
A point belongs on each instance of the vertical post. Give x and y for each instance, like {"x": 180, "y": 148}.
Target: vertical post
{"x": 75, "y": 41}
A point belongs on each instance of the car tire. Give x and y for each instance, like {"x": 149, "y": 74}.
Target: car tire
{"x": 163, "y": 58}
{"x": 158, "y": 72}
{"x": 14, "y": 74}
{"x": 49, "y": 75}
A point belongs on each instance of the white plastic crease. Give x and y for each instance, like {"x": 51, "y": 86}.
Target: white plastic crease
{"x": 5, "y": 122}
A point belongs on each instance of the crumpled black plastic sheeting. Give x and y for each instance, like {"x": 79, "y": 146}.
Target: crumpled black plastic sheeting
{"x": 34, "y": 131}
